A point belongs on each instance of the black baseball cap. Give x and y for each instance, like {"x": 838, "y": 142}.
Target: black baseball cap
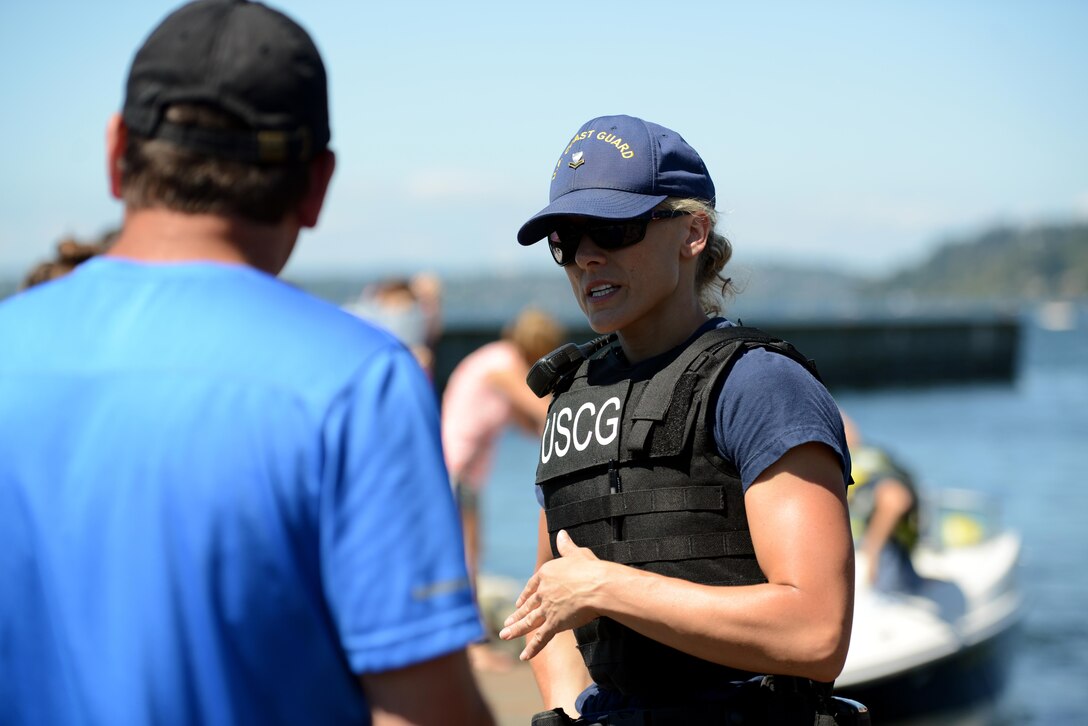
{"x": 240, "y": 57}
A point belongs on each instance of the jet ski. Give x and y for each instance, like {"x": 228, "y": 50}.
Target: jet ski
{"x": 946, "y": 645}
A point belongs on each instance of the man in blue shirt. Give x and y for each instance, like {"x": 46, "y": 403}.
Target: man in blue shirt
{"x": 221, "y": 499}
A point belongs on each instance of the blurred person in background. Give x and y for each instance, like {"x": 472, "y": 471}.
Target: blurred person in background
{"x": 485, "y": 394}
{"x": 427, "y": 288}
{"x": 409, "y": 308}
{"x": 70, "y": 253}
{"x": 695, "y": 562}
{"x": 883, "y": 514}
{"x": 222, "y": 500}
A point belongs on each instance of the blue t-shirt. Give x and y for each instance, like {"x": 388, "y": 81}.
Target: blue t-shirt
{"x": 769, "y": 405}
{"x": 220, "y": 499}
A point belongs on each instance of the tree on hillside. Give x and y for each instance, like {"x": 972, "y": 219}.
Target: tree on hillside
{"x": 1037, "y": 262}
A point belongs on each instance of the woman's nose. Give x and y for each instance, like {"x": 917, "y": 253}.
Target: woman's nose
{"x": 588, "y": 252}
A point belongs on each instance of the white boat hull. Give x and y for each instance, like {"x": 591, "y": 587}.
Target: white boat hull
{"x": 944, "y": 645}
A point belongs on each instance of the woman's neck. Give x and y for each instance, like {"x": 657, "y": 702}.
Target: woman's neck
{"x": 646, "y": 339}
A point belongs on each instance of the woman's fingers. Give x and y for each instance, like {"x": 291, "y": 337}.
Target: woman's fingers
{"x": 528, "y": 602}
{"x": 517, "y": 625}
{"x": 535, "y": 643}
{"x": 528, "y": 590}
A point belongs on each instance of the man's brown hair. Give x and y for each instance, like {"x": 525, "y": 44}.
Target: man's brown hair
{"x": 158, "y": 173}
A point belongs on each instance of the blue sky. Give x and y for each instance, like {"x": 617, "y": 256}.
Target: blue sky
{"x": 853, "y": 134}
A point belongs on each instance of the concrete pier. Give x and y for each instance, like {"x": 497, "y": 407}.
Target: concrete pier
{"x": 849, "y": 353}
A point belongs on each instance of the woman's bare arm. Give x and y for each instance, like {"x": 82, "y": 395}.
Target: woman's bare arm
{"x": 798, "y": 623}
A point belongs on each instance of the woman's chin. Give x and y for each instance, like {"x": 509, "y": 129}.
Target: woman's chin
{"x": 601, "y": 325}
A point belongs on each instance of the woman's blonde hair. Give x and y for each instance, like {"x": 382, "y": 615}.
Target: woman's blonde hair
{"x": 710, "y": 284}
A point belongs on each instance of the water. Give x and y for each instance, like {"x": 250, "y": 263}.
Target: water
{"x": 1023, "y": 442}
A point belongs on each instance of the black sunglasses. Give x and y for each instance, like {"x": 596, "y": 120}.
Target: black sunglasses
{"x": 608, "y": 234}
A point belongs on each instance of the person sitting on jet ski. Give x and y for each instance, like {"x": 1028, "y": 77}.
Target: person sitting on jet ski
{"x": 883, "y": 513}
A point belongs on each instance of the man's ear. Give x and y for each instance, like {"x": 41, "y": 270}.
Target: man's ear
{"x": 698, "y": 231}
{"x": 321, "y": 169}
{"x": 116, "y": 142}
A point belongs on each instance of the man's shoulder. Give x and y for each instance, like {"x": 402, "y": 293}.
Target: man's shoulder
{"x": 285, "y": 315}
{"x": 308, "y": 332}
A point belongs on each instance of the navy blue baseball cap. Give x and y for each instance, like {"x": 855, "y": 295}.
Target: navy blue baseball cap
{"x": 620, "y": 167}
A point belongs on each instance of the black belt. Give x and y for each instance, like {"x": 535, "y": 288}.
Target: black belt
{"x": 693, "y": 715}
{"x": 794, "y": 701}
{"x": 711, "y": 713}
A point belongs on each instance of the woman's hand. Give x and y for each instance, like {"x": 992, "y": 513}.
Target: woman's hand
{"x": 557, "y": 597}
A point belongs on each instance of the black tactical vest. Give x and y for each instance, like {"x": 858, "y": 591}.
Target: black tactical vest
{"x": 629, "y": 467}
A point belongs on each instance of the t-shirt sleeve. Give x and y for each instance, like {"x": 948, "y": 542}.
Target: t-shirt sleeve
{"x": 768, "y": 405}
{"x": 392, "y": 556}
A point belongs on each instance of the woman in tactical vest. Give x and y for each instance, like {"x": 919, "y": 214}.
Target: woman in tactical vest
{"x": 694, "y": 534}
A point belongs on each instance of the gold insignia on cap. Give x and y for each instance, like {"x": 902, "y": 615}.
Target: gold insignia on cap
{"x": 577, "y": 159}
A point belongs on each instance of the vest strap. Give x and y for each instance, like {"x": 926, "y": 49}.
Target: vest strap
{"x": 645, "y": 501}
{"x": 653, "y": 407}
{"x": 681, "y": 547}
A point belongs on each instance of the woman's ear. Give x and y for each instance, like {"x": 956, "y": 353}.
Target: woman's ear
{"x": 698, "y": 231}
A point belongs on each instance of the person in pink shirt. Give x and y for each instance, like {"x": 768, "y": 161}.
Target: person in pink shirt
{"x": 485, "y": 394}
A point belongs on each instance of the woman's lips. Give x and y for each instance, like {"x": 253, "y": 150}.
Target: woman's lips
{"x": 600, "y": 290}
